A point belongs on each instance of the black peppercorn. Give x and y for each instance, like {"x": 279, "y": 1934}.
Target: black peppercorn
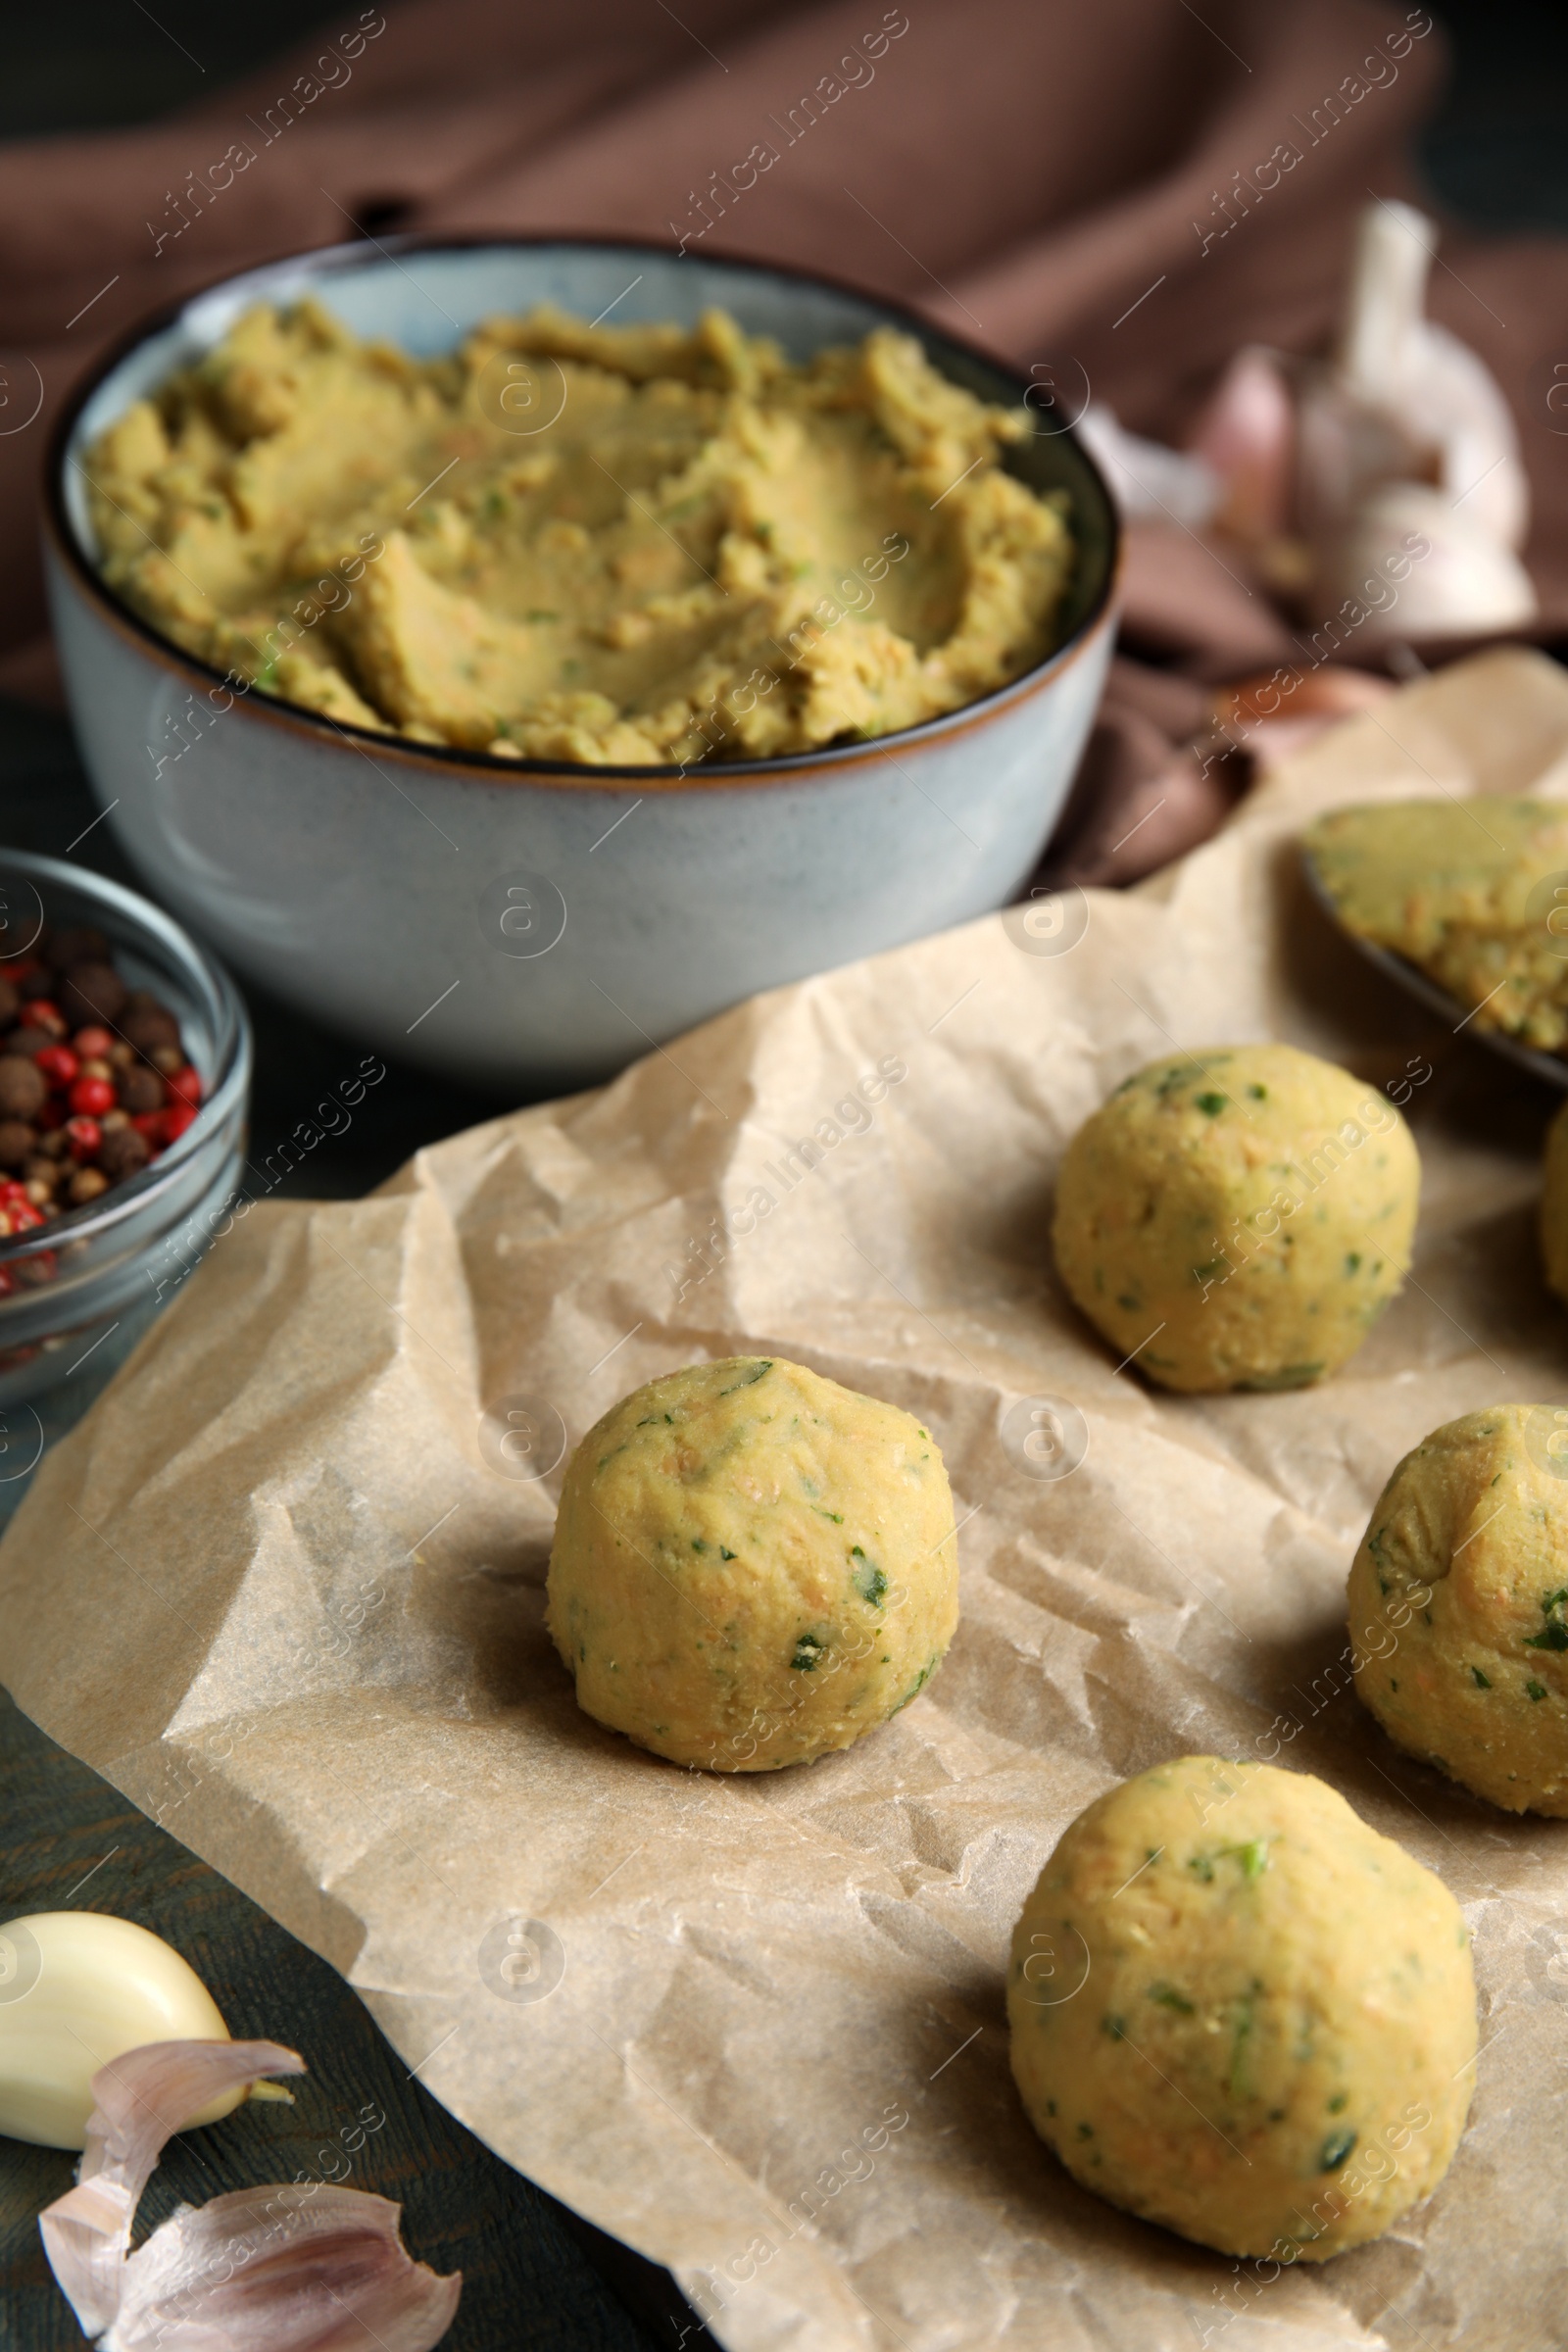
{"x": 18, "y": 1144}
{"x": 140, "y": 1090}
{"x": 21, "y": 1086}
{"x": 93, "y": 992}
{"x": 122, "y": 1153}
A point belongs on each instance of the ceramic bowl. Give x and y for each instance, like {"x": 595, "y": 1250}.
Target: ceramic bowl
{"x": 527, "y": 925}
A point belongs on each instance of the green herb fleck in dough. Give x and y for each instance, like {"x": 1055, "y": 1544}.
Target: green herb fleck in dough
{"x": 807, "y": 1649}
{"x": 870, "y": 1580}
{"x": 1336, "y": 2148}
{"x": 698, "y": 1545}
{"x": 822, "y": 1512}
{"x": 918, "y": 1685}
{"x": 1252, "y": 1857}
{"x": 1169, "y": 1999}
{"x": 1554, "y": 1633}
{"x": 1086, "y": 2130}
{"x": 1212, "y": 1105}
{"x": 1352, "y": 1262}
{"x": 1339, "y": 2103}
{"x": 1259, "y": 1093}
{"x": 1236, "y": 2081}
{"x": 749, "y": 1378}
{"x": 1482, "y": 1681}
{"x": 1115, "y": 2027}
{"x": 725, "y": 1554}
{"x": 1535, "y": 1689}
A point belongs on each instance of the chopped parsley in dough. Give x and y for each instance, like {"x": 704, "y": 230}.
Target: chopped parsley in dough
{"x": 1238, "y": 2010}
{"x": 751, "y": 1565}
{"x": 1236, "y": 1217}
{"x": 1457, "y": 1596}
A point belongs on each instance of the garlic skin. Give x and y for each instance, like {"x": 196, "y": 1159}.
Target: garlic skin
{"x": 77, "y": 1989}
{"x": 1467, "y": 582}
{"x": 310, "y": 2267}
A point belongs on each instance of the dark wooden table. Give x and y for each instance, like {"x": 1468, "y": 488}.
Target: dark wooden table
{"x": 534, "y": 2275}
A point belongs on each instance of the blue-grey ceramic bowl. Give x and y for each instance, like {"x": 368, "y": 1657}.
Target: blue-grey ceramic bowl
{"x": 537, "y": 926}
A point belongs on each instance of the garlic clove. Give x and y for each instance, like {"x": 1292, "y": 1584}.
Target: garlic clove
{"x": 78, "y": 1988}
{"x": 1147, "y": 479}
{"x": 1246, "y": 434}
{"x": 1464, "y": 581}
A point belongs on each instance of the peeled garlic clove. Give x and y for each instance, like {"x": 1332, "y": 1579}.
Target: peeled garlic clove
{"x": 1245, "y": 435}
{"x": 1464, "y": 582}
{"x": 78, "y": 1988}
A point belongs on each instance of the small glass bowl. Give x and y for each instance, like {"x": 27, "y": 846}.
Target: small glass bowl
{"x": 83, "y": 1289}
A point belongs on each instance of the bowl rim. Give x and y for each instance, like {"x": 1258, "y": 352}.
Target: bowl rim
{"x": 451, "y": 761}
{"x": 230, "y": 1079}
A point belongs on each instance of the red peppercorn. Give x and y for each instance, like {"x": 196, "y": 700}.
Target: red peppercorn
{"x": 149, "y": 1123}
{"x": 58, "y": 1064}
{"x": 86, "y": 1137}
{"x": 93, "y": 1045}
{"x": 44, "y": 1013}
{"x": 186, "y": 1087}
{"x": 176, "y": 1119}
{"x": 92, "y": 1096}
{"x": 23, "y": 1215}
{"x": 12, "y": 1191}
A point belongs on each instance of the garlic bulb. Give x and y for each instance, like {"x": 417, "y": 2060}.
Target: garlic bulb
{"x": 1404, "y": 431}
{"x": 78, "y": 1988}
{"x": 1451, "y": 577}
{"x": 1395, "y": 360}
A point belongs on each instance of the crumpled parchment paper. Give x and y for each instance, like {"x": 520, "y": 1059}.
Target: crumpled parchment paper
{"x": 284, "y": 1588}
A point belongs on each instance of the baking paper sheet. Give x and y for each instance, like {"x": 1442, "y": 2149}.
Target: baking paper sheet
{"x": 284, "y": 1588}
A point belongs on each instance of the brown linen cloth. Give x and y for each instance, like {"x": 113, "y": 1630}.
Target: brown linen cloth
{"x": 1058, "y": 183}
